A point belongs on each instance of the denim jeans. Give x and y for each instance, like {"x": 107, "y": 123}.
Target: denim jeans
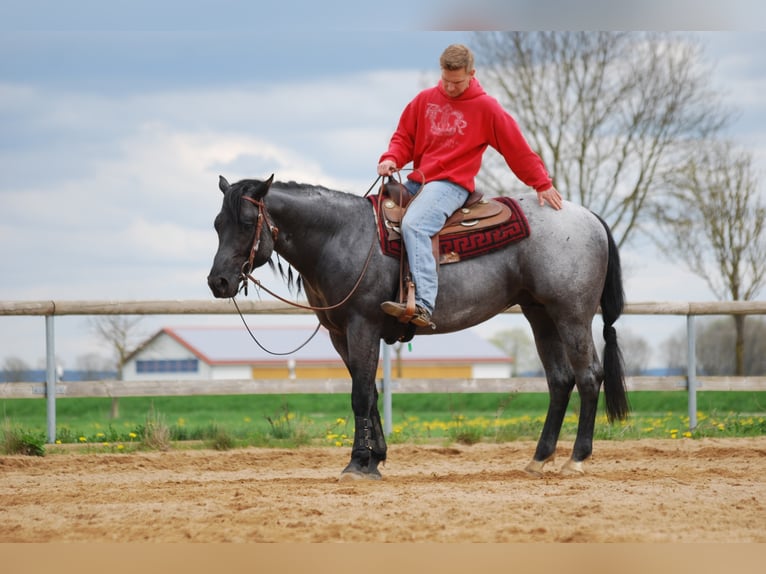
{"x": 425, "y": 216}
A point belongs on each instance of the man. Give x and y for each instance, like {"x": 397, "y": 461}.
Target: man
{"x": 444, "y": 132}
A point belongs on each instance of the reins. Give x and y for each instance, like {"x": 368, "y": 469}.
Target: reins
{"x": 257, "y": 342}
{"x": 247, "y": 267}
{"x": 257, "y": 283}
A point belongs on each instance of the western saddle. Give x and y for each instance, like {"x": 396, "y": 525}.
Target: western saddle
{"x": 476, "y": 214}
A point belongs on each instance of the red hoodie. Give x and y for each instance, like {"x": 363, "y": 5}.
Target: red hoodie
{"x": 445, "y": 138}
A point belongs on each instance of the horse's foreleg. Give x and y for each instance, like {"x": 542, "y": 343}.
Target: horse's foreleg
{"x": 369, "y": 448}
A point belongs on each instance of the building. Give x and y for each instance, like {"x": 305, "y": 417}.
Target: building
{"x": 209, "y": 353}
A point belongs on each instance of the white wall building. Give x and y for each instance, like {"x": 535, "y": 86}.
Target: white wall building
{"x": 209, "y": 353}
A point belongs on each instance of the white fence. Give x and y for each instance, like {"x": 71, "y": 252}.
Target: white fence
{"x": 49, "y": 390}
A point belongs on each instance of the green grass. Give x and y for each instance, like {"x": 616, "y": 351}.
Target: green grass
{"x": 224, "y": 422}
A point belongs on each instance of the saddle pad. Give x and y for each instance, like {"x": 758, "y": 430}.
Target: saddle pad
{"x": 464, "y": 245}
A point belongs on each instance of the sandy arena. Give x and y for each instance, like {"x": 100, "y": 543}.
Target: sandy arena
{"x": 709, "y": 490}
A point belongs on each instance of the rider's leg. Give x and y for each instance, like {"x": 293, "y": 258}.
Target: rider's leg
{"x": 425, "y": 216}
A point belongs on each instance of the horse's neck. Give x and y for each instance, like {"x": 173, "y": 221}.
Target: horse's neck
{"x": 311, "y": 221}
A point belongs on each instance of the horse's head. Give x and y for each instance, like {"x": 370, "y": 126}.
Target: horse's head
{"x": 246, "y": 235}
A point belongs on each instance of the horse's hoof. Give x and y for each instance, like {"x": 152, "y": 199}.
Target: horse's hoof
{"x": 354, "y": 476}
{"x": 349, "y": 476}
{"x": 354, "y": 472}
{"x": 573, "y": 467}
{"x": 535, "y": 467}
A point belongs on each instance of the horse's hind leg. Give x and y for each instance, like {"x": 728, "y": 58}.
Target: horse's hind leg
{"x": 588, "y": 375}
{"x": 588, "y": 386}
{"x": 561, "y": 381}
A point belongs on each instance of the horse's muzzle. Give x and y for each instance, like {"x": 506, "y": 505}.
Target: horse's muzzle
{"x": 221, "y": 287}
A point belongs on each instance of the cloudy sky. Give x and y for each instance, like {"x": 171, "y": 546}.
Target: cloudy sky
{"x": 118, "y": 117}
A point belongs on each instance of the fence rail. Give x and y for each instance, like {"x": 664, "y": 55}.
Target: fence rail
{"x": 52, "y": 388}
{"x": 182, "y": 388}
{"x": 226, "y": 307}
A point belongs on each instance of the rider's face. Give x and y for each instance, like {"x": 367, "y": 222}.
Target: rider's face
{"x": 456, "y": 82}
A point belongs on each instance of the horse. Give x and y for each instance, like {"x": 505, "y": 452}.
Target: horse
{"x": 560, "y": 275}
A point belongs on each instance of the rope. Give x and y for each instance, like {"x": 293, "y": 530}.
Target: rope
{"x": 252, "y": 336}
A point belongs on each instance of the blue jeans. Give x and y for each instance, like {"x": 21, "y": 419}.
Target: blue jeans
{"x": 425, "y": 216}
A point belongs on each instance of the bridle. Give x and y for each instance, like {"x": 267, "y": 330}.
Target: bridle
{"x": 263, "y": 215}
{"x": 247, "y": 269}
{"x": 247, "y": 266}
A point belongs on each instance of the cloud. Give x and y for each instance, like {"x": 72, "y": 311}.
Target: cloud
{"x": 108, "y": 179}
{"x": 132, "y": 181}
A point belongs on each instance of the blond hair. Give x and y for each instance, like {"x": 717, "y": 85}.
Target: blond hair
{"x": 457, "y": 57}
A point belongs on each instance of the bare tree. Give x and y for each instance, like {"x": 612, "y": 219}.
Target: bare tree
{"x": 715, "y": 337}
{"x": 607, "y": 112}
{"x": 674, "y": 353}
{"x": 714, "y": 224}
{"x": 92, "y": 365}
{"x": 635, "y": 351}
{"x": 15, "y": 370}
{"x": 119, "y": 333}
{"x": 517, "y": 344}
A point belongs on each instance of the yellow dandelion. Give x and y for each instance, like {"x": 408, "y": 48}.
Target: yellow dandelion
{"x": 83, "y": 439}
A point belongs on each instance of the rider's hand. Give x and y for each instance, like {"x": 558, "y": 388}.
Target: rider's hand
{"x": 387, "y": 167}
{"x": 552, "y": 196}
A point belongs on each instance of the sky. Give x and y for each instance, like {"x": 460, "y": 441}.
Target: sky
{"x": 116, "y": 119}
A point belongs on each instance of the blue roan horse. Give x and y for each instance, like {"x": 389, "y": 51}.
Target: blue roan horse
{"x": 559, "y": 275}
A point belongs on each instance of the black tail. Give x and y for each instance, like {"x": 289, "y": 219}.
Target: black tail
{"x": 612, "y": 304}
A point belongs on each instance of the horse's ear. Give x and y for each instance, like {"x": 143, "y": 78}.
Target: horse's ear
{"x": 265, "y": 186}
{"x": 223, "y": 185}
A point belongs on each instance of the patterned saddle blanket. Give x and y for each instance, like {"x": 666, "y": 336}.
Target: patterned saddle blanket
{"x": 478, "y": 228}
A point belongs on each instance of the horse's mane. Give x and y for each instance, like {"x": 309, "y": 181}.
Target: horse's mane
{"x": 294, "y": 281}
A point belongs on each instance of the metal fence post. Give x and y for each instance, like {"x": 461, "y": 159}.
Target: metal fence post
{"x": 387, "y": 389}
{"x": 50, "y": 378}
{"x": 691, "y": 371}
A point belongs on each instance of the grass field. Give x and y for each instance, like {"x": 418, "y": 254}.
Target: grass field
{"x": 289, "y": 420}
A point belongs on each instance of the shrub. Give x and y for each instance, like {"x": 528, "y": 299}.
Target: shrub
{"x": 15, "y": 441}
{"x": 156, "y": 433}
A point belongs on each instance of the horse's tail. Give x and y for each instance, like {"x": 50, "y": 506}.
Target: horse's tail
{"x": 612, "y": 304}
